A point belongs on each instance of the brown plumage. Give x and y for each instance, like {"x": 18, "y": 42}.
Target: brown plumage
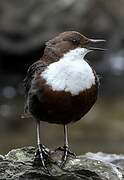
{"x": 46, "y": 104}
{"x": 59, "y": 106}
{"x": 49, "y": 103}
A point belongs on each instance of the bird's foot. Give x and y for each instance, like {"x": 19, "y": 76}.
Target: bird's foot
{"x": 41, "y": 157}
{"x": 67, "y": 153}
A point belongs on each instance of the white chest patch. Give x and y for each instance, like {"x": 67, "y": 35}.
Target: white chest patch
{"x": 71, "y": 73}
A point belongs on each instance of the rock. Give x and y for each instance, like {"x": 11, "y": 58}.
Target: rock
{"x": 17, "y": 164}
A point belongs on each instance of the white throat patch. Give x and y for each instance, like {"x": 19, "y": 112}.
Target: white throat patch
{"x": 71, "y": 73}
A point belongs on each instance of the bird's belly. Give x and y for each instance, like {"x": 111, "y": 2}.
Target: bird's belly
{"x": 62, "y": 107}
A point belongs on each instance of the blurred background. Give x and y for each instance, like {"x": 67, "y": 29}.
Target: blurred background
{"x": 24, "y": 27}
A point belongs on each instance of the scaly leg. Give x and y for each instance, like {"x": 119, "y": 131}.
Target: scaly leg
{"x": 66, "y": 147}
{"x": 41, "y": 153}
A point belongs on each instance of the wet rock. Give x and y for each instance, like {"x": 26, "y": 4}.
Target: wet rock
{"x": 18, "y": 164}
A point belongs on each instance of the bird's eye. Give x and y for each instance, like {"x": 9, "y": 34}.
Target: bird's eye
{"x": 75, "y": 41}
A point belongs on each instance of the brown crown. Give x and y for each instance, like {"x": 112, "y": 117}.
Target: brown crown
{"x": 61, "y": 44}
{"x": 66, "y": 41}
{"x": 72, "y": 37}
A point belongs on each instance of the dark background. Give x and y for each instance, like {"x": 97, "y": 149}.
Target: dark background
{"x": 24, "y": 27}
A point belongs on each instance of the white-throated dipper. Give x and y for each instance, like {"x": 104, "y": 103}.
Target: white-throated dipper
{"x": 61, "y": 87}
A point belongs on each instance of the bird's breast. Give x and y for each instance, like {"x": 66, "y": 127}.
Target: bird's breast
{"x": 59, "y": 106}
{"x": 69, "y": 76}
{"x": 63, "y": 93}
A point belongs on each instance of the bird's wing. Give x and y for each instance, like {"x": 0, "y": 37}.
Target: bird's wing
{"x": 32, "y": 69}
{"x": 36, "y": 67}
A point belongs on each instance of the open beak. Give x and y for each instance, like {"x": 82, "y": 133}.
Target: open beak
{"x": 94, "y": 44}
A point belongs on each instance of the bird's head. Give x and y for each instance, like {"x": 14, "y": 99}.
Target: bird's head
{"x": 70, "y": 40}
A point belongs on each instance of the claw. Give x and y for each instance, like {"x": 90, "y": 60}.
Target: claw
{"x": 67, "y": 153}
{"x": 42, "y": 152}
{"x": 65, "y": 156}
{"x": 41, "y": 156}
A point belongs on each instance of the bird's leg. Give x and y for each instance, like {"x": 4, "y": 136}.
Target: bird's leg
{"x": 42, "y": 152}
{"x": 66, "y": 147}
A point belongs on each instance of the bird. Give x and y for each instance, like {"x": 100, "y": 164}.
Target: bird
{"x": 62, "y": 86}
